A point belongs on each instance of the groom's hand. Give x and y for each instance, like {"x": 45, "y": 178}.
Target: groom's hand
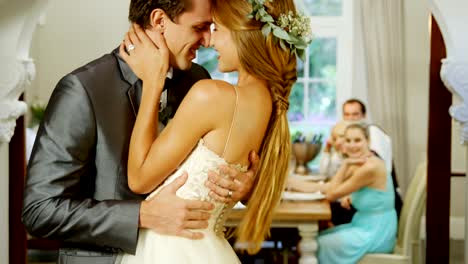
{"x": 168, "y": 214}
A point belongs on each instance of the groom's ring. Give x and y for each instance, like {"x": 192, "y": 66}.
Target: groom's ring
{"x": 229, "y": 194}
{"x": 130, "y": 47}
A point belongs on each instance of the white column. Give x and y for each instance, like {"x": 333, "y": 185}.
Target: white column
{"x": 18, "y": 20}
{"x": 17, "y": 25}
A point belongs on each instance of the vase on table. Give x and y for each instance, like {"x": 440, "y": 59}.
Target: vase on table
{"x": 304, "y": 152}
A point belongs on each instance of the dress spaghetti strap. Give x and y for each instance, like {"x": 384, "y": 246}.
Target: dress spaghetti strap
{"x": 232, "y": 123}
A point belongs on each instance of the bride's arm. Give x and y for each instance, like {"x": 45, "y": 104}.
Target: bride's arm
{"x": 153, "y": 157}
{"x": 195, "y": 117}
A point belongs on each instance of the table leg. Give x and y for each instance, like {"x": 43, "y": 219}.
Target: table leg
{"x": 308, "y": 244}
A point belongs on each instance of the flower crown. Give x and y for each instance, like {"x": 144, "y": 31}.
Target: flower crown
{"x": 290, "y": 29}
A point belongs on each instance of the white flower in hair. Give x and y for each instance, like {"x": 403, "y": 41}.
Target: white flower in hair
{"x": 291, "y": 30}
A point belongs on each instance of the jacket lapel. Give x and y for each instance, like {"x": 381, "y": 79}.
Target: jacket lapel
{"x": 132, "y": 80}
{"x": 131, "y": 94}
{"x": 174, "y": 92}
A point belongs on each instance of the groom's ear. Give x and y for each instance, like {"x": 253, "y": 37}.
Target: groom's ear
{"x": 157, "y": 19}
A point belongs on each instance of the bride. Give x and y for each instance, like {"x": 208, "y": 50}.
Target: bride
{"x": 217, "y": 123}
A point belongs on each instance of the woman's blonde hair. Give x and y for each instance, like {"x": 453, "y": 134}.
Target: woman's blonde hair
{"x": 361, "y": 126}
{"x": 264, "y": 58}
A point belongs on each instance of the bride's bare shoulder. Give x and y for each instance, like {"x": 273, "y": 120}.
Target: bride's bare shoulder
{"x": 209, "y": 89}
{"x": 212, "y": 84}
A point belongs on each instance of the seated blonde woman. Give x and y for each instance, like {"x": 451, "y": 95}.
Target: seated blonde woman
{"x": 332, "y": 155}
{"x": 362, "y": 176}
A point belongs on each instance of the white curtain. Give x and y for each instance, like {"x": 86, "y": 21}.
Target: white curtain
{"x": 381, "y": 23}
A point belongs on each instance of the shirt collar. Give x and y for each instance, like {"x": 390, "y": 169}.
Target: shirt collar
{"x": 170, "y": 73}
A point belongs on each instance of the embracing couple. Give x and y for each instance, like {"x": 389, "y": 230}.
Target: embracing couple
{"x": 109, "y": 182}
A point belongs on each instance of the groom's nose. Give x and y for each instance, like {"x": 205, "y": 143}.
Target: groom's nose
{"x": 206, "y": 36}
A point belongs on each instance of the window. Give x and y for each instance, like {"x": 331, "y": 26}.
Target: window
{"x": 321, "y": 7}
{"x": 207, "y": 58}
{"x": 322, "y": 78}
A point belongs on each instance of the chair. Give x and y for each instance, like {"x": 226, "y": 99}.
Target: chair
{"x": 407, "y": 246}
{"x": 381, "y": 143}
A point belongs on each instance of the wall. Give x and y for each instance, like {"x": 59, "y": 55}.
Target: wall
{"x": 458, "y": 191}
{"x": 4, "y": 202}
{"x": 417, "y": 51}
{"x": 458, "y": 151}
{"x": 72, "y": 35}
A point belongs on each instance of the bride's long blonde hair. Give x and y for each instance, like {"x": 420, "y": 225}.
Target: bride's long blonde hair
{"x": 264, "y": 58}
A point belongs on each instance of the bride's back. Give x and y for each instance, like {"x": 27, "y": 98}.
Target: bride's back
{"x": 243, "y": 113}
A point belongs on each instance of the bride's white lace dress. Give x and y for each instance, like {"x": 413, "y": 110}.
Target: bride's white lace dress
{"x": 213, "y": 248}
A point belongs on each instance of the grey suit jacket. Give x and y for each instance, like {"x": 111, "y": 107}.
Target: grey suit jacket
{"x": 76, "y": 187}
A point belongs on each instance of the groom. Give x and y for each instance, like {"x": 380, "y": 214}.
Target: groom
{"x": 76, "y": 188}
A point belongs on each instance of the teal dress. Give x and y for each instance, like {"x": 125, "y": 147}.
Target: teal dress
{"x": 372, "y": 230}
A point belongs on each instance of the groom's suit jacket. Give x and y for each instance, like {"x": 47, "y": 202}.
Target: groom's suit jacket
{"x": 76, "y": 189}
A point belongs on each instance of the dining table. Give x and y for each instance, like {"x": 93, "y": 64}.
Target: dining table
{"x": 301, "y": 214}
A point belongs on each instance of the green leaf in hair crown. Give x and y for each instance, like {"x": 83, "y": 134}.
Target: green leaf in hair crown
{"x": 292, "y": 30}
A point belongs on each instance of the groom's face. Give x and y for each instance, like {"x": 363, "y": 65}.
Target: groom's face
{"x": 188, "y": 32}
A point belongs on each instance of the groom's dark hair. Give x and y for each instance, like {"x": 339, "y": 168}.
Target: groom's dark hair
{"x": 356, "y": 101}
{"x": 140, "y": 10}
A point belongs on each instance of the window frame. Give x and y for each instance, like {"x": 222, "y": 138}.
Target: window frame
{"x": 341, "y": 28}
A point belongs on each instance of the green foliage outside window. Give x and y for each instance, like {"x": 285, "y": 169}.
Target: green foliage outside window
{"x": 321, "y": 7}
{"x": 207, "y": 57}
{"x": 322, "y": 54}
{"x": 320, "y": 82}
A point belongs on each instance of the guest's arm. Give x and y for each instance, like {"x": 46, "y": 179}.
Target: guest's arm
{"x": 343, "y": 184}
{"x": 345, "y": 202}
{"x": 299, "y": 185}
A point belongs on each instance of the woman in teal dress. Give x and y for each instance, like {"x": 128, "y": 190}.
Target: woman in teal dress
{"x": 361, "y": 180}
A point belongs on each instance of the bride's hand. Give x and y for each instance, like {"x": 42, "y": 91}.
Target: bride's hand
{"x": 149, "y": 60}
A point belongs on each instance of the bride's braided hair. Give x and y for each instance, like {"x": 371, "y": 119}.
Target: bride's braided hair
{"x": 264, "y": 58}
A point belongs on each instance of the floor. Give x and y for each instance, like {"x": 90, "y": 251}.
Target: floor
{"x": 266, "y": 256}
{"x": 457, "y": 249}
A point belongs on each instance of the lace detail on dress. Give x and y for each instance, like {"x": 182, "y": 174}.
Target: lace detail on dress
{"x": 221, "y": 213}
{"x": 198, "y": 164}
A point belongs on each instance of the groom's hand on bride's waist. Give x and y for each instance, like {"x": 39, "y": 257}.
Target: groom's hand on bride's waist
{"x": 168, "y": 214}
